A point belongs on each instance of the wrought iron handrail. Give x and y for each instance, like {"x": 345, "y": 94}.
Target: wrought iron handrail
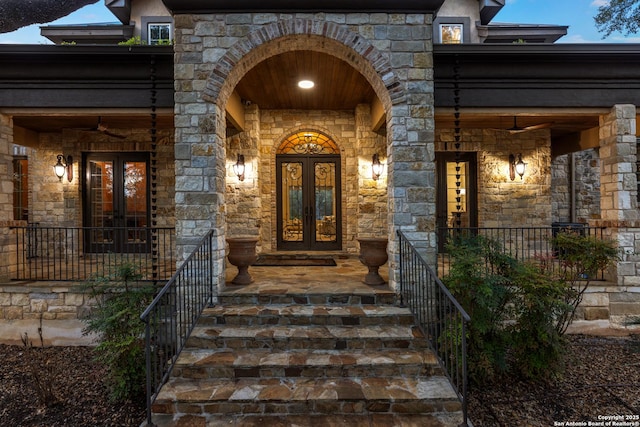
{"x": 523, "y": 243}
{"x": 173, "y": 313}
{"x": 439, "y": 315}
{"x": 50, "y": 253}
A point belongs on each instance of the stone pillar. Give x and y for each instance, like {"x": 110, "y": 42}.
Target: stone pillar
{"x": 619, "y": 206}
{"x": 199, "y": 160}
{"x": 618, "y": 181}
{"x": 411, "y": 146}
{"x": 7, "y": 250}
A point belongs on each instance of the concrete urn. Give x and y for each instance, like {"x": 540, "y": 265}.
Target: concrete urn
{"x": 373, "y": 254}
{"x": 242, "y": 253}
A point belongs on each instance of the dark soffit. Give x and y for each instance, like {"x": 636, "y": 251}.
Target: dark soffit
{"x": 205, "y": 6}
{"x": 528, "y": 75}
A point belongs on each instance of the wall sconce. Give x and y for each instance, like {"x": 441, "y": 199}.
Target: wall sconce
{"x": 64, "y": 164}
{"x": 516, "y": 167}
{"x": 376, "y": 167}
{"x": 238, "y": 168}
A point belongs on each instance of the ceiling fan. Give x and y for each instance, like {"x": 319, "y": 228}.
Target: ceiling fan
{"x": 103, "y": 128}
{"x": 519, "y": 129}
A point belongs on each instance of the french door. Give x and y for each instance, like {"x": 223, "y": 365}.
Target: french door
{"x": 455, "y": 209}
{"x": 116, "y": 195}
{"x": 308, "y": 202}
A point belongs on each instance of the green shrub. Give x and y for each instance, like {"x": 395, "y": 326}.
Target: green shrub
{"x": 581, "y": 258}
{"x": 120, "y": 299}
{"x": 477, "y": 281}
{"x": 521, "y": 310}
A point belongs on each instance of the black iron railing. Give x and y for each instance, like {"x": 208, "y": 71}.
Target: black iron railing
{"x": 439, "y": 315}
{"x": 523, "y": 243}
{"x": 173, "y": 313}
{"x": 78, "y": 253}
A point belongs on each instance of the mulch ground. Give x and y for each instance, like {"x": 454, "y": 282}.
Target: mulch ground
{"x": 602, "y": 379}
{"x": 76, "y": 382}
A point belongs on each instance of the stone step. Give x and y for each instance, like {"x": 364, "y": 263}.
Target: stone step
{"x": 284, "y": 337}
{"x": 283, "y": 296}
{"x": 287, "y": 314}
{"x": 360, "y": 420}
{"x": 287, "y": 396}
{"x": 229, "y": 363}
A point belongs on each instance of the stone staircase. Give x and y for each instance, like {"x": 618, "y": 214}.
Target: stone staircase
{"x": 307, "y": 359}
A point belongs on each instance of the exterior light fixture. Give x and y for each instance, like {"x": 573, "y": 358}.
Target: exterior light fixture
{"x": 62, "y": 166}
{"x": 516, "y": 167}
{"x": 306, "y": 84}
{"x": 376, "y": 167}
{"x": 238, "y": 168}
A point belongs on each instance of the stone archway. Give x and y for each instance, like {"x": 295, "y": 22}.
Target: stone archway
{"x": 401, "y": 78}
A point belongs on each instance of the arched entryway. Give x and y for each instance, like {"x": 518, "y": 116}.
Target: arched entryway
{"x": 308, "y": 193}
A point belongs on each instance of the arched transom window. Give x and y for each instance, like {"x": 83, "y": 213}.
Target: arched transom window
{"x": 309, "y": 143}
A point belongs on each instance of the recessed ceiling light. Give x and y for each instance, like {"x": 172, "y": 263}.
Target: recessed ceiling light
{"x": 306, "y": 84}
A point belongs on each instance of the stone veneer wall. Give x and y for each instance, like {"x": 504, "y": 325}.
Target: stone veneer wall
{"x": 502, "y": 202}
{"x": 7, "y": 256}
{"x": 619, "y": 207}
{"x": 586, "y": 186}
{"x": 251, "y": 204}
{"x": 61, "y": 308}
{"x": 214, "y": 51}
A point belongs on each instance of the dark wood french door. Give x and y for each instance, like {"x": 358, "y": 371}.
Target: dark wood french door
{"x": 116, "y": 202}
{"x": 308, "y": 202}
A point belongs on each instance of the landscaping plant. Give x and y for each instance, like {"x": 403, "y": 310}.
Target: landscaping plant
{"x": 120, "y": 298}
{"x": 520, "y": 310}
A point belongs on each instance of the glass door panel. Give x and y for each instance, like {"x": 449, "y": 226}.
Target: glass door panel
{"x": 455, "y": 209}
{"x": 135, "y": 202}
{"x": 292, "y": 202}
{"x": 325, "y": 202}
{"x": 101, "y": 213}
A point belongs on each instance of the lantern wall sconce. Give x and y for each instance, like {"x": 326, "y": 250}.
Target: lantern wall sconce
{"x": 62, "y": 166}
{"x": 516, "y": 167}
{"x": 238, "y": 167}
{"x": 376, "y": 167}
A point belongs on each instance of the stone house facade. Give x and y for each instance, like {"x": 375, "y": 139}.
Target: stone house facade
{"x": 408, "y": 123}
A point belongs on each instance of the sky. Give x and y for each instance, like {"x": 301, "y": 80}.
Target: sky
{"x": 577, "y": 14}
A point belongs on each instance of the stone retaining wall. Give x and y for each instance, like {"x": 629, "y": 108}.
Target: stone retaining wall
{"x": 60, "y": 306}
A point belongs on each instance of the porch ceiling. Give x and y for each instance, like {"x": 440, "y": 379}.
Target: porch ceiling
{"x": 561, "y": 122}
{"x": 273, "y": 84}
{"x": 49, "y": 122}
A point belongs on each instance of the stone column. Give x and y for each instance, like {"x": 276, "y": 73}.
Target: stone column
{"x": 619, "y": 206}
{"x": 411, "y": 142}
{"x": 7, "y": 249}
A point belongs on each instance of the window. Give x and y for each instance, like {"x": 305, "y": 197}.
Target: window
{"x": 20, "y": 188}
{"x": 452, "y": 30}
{"x": 159, "y": 33}
{"x": 451, "y": 33}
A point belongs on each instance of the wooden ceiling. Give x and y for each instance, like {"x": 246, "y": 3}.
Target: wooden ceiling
{"x": 273, "y": 84}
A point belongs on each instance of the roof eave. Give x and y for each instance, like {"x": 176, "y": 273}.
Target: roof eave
{"x": 209, "y": 6}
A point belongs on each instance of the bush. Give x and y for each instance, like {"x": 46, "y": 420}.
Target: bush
{"x": 120, "y": 299}
{"x": 521, "y": 310}
{"x": 581, "y": 258}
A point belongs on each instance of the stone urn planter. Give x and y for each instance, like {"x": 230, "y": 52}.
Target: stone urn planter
{"x": 373, "y": 254}
{"x": 242, "y": 253}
